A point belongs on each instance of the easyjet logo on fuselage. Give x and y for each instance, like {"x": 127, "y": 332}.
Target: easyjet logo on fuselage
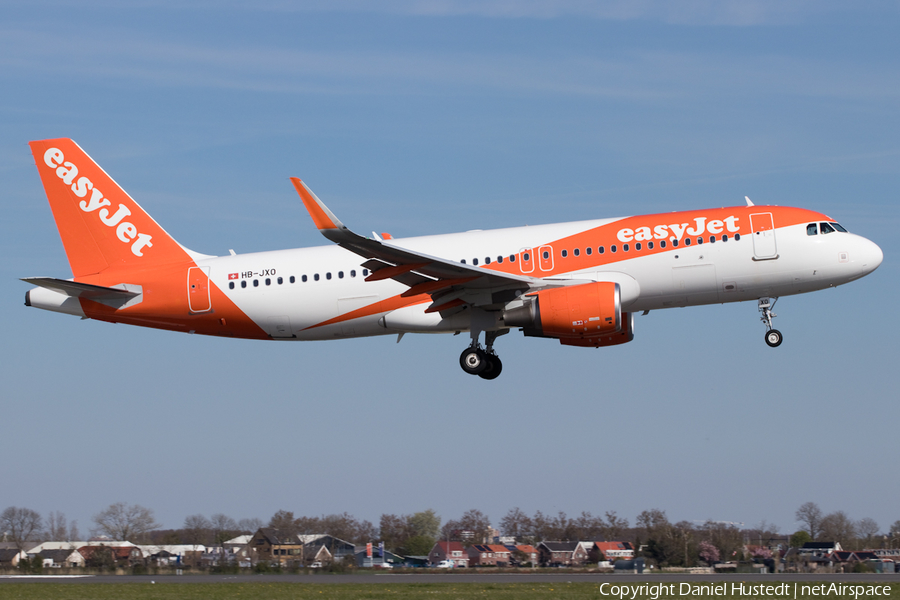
{"x": 125, "y": 230}
{"x": 677, "y": 230}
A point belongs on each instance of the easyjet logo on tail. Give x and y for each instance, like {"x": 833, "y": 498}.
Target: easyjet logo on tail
{"x": 125, "y": 230}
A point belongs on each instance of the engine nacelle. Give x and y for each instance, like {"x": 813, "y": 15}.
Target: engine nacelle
{"x": 589, "y": 314}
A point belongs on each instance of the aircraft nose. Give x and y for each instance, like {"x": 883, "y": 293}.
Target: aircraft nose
{"x": 871, "y": 256}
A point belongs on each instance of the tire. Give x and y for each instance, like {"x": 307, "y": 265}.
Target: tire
{"x": 494, "y": 367}
{"x": 473, "y": 361}
{"x": 774, "y": 338}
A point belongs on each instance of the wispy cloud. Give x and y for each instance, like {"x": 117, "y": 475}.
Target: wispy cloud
{"x": 637, "y": 75}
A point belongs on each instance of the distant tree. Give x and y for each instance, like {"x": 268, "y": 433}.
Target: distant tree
{"x": 760, "y": 553}
{"x": 419, "y": 545}
{"x": 709, "y": 552}
{"x": 895, "y": 529}
{"x": 425, "y": 523}
{"x": 516, "y": 524}
{"x": 724, "y": 536}
{"x": 20, "y": 525}
{"x": 196, "y": 530}
{"x": 614, "y": 527}
{"x": 284, "y": 521}
{"x": 125, "y": 522}
{"x": 587, "y": 527}
{"x": 866, "y": 530}
{"x": 810, "y": 515}
{"x": 394, "y": 531}
{"x": 799, "y": 538}
{"x": 223, "y": 528}
{"x": 100, "y": 557}
{"x": 477, "y": 522}
{"x": 57, "y": 528}
{"x": 250, "y": 525}
{"x": 838, "y": 527}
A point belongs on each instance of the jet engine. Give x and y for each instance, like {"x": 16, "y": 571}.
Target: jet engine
{"x": 589, "y": 314}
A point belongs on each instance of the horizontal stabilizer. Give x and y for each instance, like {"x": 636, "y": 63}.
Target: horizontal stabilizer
{"x": 116, "y": 297}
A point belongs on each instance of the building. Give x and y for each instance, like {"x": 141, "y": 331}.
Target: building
{"x": 613, "y": 551}
{"x": 453, "y": 551}
{"x": 562, "y": 554}
{"x": 493, "y": 555}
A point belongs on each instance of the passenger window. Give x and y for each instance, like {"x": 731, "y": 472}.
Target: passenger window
{"x": 637, "y": 246}
{"x": 613, "y": 248}
{"x": 674, "y": 243}
{"x": 624, "y": 247}
{"x": 352, "y": 272}
{"x": 737, "y": 237}
{"x": 328, "y": 275}
{"x": 576, "y": 252}
{"x": 546, "y": 255}
{"x": 256, "y": 283}
{"x": 662, "y": 243}
{"x": 649, "y": 245}
{"x": 712, "y": 239}
{"x": 699, "y": 240}
{"x": 826, "y": 228}
{"x": 293, "y": 279}
{"x": 588, "y": 250}
{"x": 487, "y": 260}
{"x": 340, "y": 274}
{"x": 243, "y": 284}
{"x": 463, "y": 261}
{"x": 526, "y": 257}
{"x": 564, "y": 253}
{"x": 475, "y": 261}
{"x": 512, "y": 258}
{"x": 280, "y": 281}
{"x": 724, "y": 238}
{"x": 230, "y": 285}
{"x": 316, "y": 276}
{"x": 499, "y": 260}
{"x": 601, "y": 250}
{"x": 268, "y": 281}
{"x": 365, "y": 272}
{"x": 812, "y": 229}
{"x": 687, "y": 241}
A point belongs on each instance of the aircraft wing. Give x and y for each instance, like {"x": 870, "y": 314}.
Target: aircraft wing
{"x": 449, "y": 283}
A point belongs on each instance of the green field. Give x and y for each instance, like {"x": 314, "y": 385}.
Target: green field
{"x": 163, "y": 590}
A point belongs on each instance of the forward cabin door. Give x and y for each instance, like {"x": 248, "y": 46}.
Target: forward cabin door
{"x": 198, "y": 290}
{"x": 764, "y": 247}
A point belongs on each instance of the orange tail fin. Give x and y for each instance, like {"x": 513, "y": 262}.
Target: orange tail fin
{"x": 101, "y": 226}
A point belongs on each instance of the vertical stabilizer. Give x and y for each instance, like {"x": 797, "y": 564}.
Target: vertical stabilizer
{"x": 101, "y": 226}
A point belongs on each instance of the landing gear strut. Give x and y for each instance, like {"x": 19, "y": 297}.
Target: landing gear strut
{"x": 482, "y": 362}
{"x": 773, "y": 336}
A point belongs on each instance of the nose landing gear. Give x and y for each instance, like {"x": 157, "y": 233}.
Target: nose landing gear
{"x": 773, "y": 336}
{"x": 482, "y": 362}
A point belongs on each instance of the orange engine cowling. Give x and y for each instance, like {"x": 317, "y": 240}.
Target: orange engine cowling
{"x": 581, "y": 315}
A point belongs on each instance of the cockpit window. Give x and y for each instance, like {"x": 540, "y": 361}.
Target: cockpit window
{"x": 838, "y": 227}
{"x": 826, "y": 228}
{"x": 812, "y": 229}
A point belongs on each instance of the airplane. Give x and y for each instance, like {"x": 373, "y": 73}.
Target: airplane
{"x": 578, "y": 282}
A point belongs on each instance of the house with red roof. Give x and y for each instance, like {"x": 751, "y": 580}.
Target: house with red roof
{"x": 453, "y": 551}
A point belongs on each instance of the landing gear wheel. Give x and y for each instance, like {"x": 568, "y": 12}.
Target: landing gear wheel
{"x": 473, "y": 361}
{"x": 774, "y": 338}
{"x": 494, "y": 366}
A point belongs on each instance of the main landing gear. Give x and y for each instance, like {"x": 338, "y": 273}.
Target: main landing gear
{"x": 773, "y": 336}
{"x": 482, "y": 362}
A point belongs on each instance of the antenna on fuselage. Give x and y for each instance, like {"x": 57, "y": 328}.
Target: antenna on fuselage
{"x": 749, "y": 202}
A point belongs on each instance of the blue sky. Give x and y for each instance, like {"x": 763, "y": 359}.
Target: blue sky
{"x": 430, "y": 117}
